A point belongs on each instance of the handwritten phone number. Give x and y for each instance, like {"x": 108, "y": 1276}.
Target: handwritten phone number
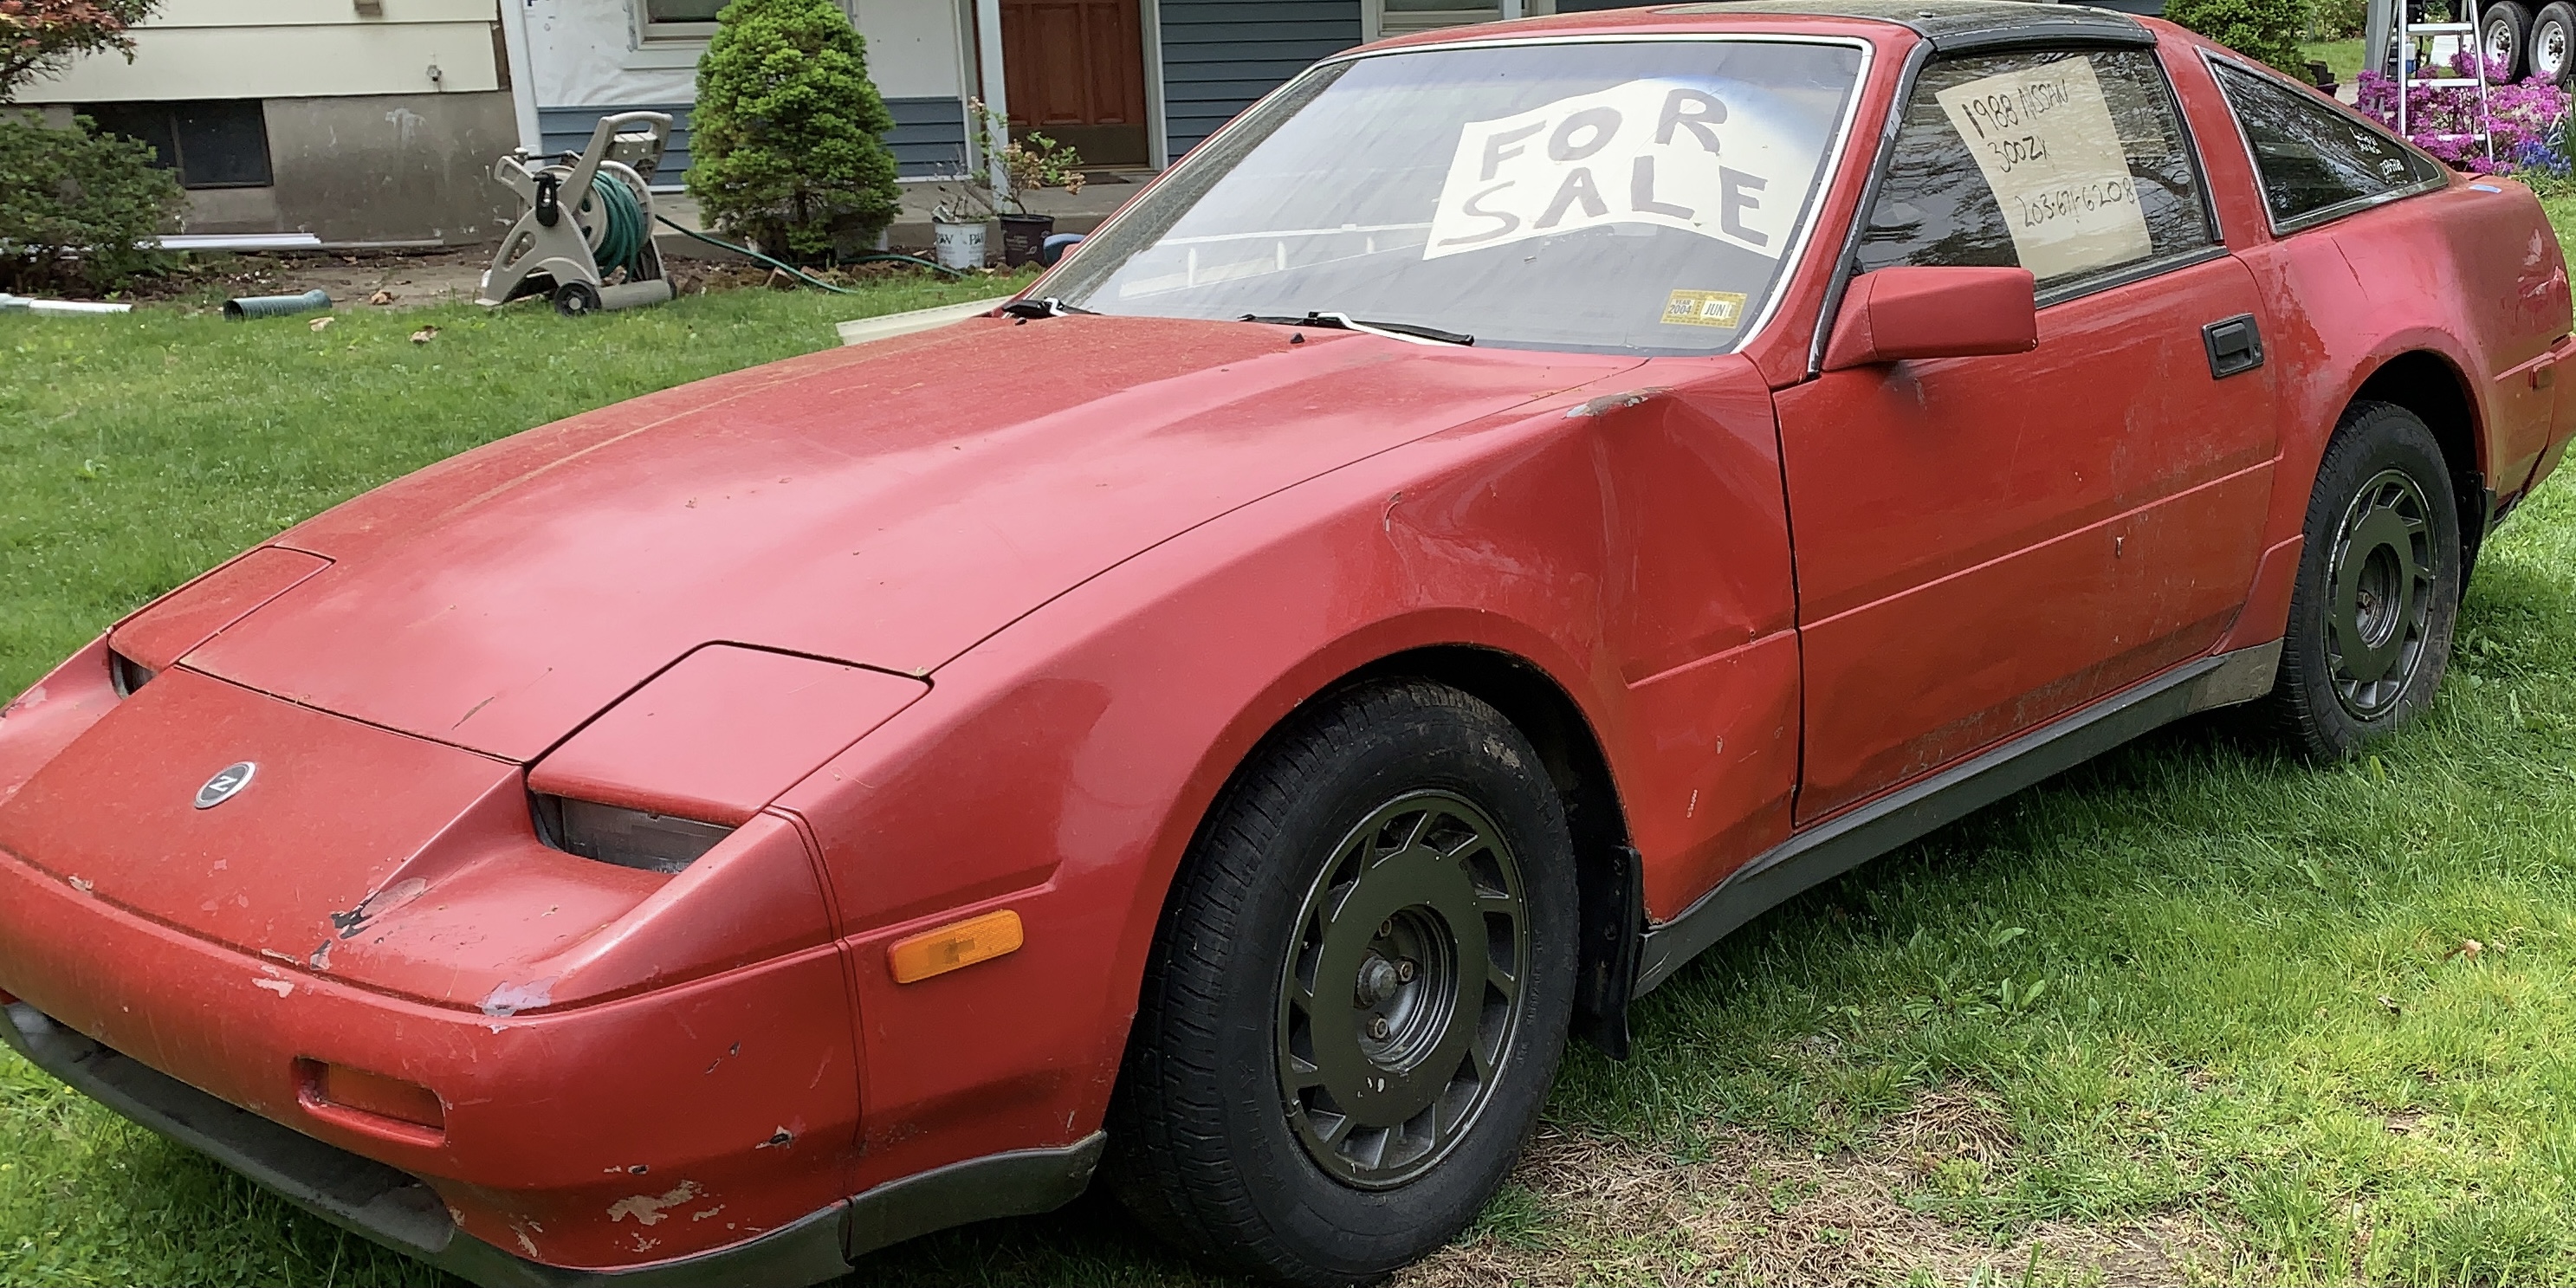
{"x": 2074, "y": 199}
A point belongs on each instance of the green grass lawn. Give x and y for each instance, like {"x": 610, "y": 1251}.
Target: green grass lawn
{"x": 2194, "y": 1013}
{"x": 2343, "y": 56}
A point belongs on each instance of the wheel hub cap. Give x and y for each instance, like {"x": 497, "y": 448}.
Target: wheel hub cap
{"x": 2381, "y": 601}
{"x": 1402, "y": 989}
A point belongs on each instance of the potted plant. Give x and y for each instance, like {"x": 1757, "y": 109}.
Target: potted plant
{"x": 995, "y": 191}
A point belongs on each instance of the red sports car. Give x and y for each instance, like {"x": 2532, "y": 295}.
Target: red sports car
{"x": 1508, "y": 509}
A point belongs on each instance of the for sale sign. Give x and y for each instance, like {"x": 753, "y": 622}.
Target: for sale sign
{"x": 2045, "y": 140}
{"x": 1655, "y": 152}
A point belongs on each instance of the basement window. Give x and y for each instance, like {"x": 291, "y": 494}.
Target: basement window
{"x": 678, "y": 19}
{"x": 211, "y": 143}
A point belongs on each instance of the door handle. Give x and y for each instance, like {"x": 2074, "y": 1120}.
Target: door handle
{"x": 2235, "y": 345}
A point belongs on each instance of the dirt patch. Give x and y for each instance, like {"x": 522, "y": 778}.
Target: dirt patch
{"x": 1749, "y": 1209}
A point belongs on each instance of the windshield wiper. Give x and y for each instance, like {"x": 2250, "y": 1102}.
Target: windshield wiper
{"x": 1050, "y": 307}
{"x": 1345, "y": 322}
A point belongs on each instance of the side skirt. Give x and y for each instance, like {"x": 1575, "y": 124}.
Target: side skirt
{"x": 1828, "y": 850}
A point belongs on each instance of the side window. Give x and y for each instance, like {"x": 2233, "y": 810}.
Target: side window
{"x": 2314, "y": 160}
{"x": 2070, "y": 164}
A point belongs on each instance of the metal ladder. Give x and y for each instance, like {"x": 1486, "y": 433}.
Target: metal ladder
{"x": 2403, "y": 51}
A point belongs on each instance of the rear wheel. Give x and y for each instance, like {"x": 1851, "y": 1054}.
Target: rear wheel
{"x": 2553, "y": 42}
{"x": 1358, "y": 994}
{"x": 2379, "y": 586}
{"x": 2504, "y": 29}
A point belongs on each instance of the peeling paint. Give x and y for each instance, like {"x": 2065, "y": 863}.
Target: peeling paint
{"x": 83, "y": 886}
{"x": 779, "y": 1139}
{"x": 1607, "y": 403}
{"x": 28, "y": 701}
{"x": 510, "y": 999}
{"x": 647, "y": 1209}
{"x": 701, "y": 1216}
{"x": 321, "y": 958}
{"x": 349, "y": 924}
{"x": 277, "y": 986}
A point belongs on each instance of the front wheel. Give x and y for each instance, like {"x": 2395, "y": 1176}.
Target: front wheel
{"x": 1358, "y": 994}
{"x": 2378, "y": 589}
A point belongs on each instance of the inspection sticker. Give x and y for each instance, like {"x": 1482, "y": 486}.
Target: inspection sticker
{"x": 1705, "y": 308}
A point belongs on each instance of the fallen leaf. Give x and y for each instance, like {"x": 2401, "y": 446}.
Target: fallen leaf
{"x": 322, "y": 322}
{"x": 424, "y": 335}
{"x": 382, "y": 297}
{"x": 2468, "y": 948}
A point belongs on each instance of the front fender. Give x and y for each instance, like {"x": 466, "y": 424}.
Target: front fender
{"x": 1630, "y": 546}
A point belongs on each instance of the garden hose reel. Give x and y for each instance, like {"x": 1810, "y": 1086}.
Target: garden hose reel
{"x": 586, "y": 217}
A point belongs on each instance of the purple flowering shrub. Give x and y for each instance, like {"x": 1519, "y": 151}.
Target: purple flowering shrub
{"x": 2529, "y": 120}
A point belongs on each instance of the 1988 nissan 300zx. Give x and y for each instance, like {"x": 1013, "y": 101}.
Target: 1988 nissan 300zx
{"x": 1505, "y": 511}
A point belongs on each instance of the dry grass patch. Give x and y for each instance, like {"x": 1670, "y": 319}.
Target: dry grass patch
{"x": 1748, "y": 1208}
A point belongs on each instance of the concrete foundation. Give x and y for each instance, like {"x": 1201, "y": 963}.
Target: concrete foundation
{"x": 392, "y": 168}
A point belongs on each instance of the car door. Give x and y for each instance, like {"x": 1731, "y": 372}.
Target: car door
{"x": 1985, "y": 543}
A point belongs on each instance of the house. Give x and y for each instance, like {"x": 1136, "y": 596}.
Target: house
{"x": 364, "y": 122}
{"x": 375, "y": 122}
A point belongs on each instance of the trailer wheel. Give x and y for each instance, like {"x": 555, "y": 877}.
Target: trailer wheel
{"x": 2504, "y": 35}
{"x": 2553, "y": 42}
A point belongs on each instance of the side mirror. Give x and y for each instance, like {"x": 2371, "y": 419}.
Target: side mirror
{"x": 1900, "y": 313}
{"x": 1054, "y": 247}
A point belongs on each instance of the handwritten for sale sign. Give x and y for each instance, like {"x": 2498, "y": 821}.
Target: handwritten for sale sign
{"x": 2044, "y": 138}
{"x": 1644, "y": 152}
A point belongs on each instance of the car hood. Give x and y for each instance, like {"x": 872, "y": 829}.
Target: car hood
{"x": 887, "y": 505}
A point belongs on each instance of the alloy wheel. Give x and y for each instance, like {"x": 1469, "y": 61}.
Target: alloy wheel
{"x": 2381, "y": 588}
{"x": 2549, "y": 52}
{"x": 1402, "y": 989}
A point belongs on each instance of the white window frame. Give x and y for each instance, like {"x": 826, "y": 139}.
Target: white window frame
{"x": 650, "y": 32}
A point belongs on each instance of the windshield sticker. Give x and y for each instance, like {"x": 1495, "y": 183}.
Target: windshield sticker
{"x": 1705, "y": 308}
{"x": 1645, "y": 152}
{"x": 2045, "y": 140}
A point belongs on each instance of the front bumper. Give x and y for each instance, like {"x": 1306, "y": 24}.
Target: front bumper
{"x": 399, "y": 1211}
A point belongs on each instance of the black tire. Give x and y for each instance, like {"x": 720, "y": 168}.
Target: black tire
{"x": 2379, "y": 587}
{"x": 576, "y": 299}
{"x": 2504, "y": 34}
{"x": 2551, "y": 52}
{"x": 1223, "y": 1122}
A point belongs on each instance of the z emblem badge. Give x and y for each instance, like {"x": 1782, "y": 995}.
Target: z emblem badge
{"x": 225, "y": 785}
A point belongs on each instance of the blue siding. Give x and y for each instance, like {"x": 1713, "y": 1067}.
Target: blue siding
{"x": 567, "y": 129}
{"x": 929, "y": 134}
{"x": 1220, "y": 55}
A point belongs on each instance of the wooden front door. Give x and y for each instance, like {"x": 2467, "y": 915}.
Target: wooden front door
{"x": 1076, "y": 73}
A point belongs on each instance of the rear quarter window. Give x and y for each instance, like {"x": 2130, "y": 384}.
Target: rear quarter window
{"x": 2316, "y": 161}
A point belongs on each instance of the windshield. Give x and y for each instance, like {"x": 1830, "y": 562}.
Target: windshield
{"x": 1631, "y": 197}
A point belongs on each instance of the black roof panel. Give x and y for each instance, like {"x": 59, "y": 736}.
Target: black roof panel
{"x": 1955, "y": 25}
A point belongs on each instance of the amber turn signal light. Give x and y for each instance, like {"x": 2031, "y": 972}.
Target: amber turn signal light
{"x": 374, "y": 1093}
{"x": 962, "y": 943}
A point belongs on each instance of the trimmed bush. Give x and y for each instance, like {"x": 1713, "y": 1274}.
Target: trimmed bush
{"x": 2264, "y": 30}
{"x": 78, "y": 208}
{"x": 787, "y": 143}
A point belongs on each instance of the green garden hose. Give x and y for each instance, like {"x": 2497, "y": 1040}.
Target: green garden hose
{"x": 799, "y": 274}
{"x": 623, "y": 236}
